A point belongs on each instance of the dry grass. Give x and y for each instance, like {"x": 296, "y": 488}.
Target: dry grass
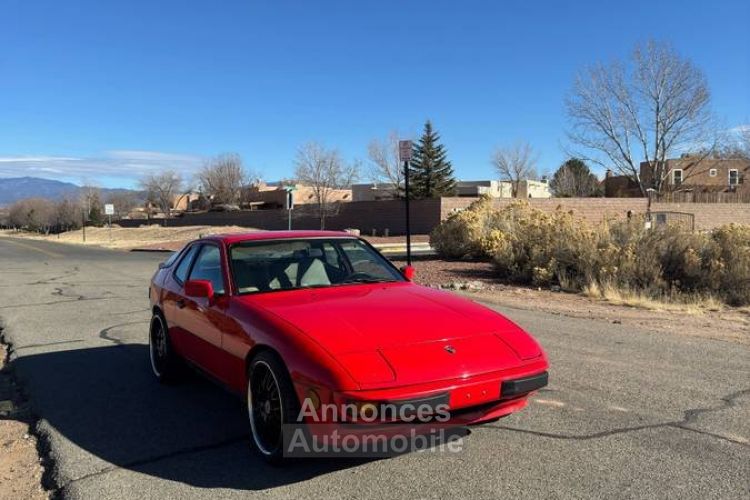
{"x": 152, "y": 236}
{"x": 683, "y": 303}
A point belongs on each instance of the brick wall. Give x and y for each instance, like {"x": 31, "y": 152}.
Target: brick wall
{"x": 707, "y": 215}
{"x": 591, "y": 209}
{"x": 426, "y": 214}
{"x": 364, "y": 215}
{"x": 710, "y": 215}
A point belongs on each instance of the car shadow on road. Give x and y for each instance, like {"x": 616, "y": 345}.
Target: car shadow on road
{"x": 107, "y": 402}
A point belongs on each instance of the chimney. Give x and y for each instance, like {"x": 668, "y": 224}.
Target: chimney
{"x": 608, "y": 173}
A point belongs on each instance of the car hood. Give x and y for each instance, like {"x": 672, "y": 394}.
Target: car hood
{"x": 405, "y": 325}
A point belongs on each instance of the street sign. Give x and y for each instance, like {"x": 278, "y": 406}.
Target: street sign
{"x": 404, "y": 150}
{"x": 289, "y": 200}
{"x": 109, "y": 209}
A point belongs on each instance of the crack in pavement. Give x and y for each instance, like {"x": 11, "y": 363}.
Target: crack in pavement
{"x": 690, "y": 416}
{"x": 147, "y": 309}
{"x": 48, "y": 281}
{"x": 60, "y": 291}
{"x": 52, "y": 303}
{"x": 62, "y": 342}
{"x": 106, "y": 335}
{"x": 154, "y": 459}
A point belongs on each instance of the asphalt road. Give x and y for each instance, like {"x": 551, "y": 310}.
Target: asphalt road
{"x": 627, "y": 413}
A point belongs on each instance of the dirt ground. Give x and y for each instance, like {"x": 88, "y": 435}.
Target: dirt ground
{"x": 720, "y": 323}
{"x": 20, "y": 469}
{"x": 153, "y": 236}
{"x": 157, "y": 237}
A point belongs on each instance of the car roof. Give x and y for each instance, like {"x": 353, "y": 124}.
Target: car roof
{"x": 275, "y": 235}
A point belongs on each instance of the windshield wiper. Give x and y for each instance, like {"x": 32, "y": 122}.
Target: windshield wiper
{"x": 367, "y": 280}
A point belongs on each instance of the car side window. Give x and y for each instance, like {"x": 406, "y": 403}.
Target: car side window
{"x": 208, "y": 267}
{"x": 181, "y": 272}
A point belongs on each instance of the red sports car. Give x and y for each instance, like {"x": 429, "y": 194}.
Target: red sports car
{"x": 295, "y": 318}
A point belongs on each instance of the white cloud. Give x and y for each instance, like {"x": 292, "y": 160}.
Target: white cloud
{"x": 34, "y": 159}
{"x": 118, "y": 166}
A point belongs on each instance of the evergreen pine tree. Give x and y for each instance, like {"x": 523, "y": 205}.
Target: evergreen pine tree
{"x": 430, "y": 173}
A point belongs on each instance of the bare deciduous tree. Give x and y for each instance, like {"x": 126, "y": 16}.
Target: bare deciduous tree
{"x": 325, "y": 172}
{"x": 33, "y": 214}
{"x": 161, "y": 189}
{"x": 385, "y": 165}
{"x": 123, "y": 202}
{"x": 91, "y": 200}
{"x": 652, "y": 107}
{"x": 222, "y": 179}
{"x": 515, "y": 164}
{"x": 67, "y": 214}
{"x": 736, "y": 144}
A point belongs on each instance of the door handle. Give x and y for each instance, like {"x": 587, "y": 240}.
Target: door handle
{"x": 181, "y": 303}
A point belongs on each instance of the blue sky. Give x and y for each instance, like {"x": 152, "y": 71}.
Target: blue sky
{"x": 105, "y": 91}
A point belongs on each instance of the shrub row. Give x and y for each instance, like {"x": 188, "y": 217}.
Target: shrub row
{"x": 530, "y": 246}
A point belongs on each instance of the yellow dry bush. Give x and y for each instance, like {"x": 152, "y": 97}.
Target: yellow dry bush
{"x": 530, "y": 246}
{"x": 461, "y": 235}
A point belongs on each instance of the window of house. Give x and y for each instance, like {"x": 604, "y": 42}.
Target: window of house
{"x": 677, "y": 176}
{"x": 734, "y": 177}
{"x": 712, "y": 172}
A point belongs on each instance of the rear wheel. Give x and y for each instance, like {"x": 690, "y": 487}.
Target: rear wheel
{"x": 165, "y": 363}
{"x": 271, "y": 403}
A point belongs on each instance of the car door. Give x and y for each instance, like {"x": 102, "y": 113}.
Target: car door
{"x": 205, "y": 319}
{"x": 173, "y": 300}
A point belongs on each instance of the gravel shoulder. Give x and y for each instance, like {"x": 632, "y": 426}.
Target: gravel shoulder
{"x": 20, "y": 469}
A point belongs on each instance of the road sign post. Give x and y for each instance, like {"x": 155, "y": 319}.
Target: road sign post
{"x": 109, "y": 210}
{"x": 289, "y": 202}
{"x": 404, "y": 154}
{"x": 83, "y": 223}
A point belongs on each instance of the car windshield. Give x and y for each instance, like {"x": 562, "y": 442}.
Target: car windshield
{"x": 263, "y": 266}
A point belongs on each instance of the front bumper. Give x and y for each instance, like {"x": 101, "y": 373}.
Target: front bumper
{"x": 521, "y": 386}
{"x": 464, "y": 402}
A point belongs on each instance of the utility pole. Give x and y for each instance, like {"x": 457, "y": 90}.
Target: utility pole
{"x": 404, "y": 153}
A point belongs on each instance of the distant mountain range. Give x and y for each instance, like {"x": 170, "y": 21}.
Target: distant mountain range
{"x": 13, "y": 189}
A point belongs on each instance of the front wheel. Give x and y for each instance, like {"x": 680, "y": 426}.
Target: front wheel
{"x": 271, "y": 403}
{"x": 165, "y": 363}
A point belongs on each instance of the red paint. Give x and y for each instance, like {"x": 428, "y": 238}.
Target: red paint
{"x": 366, "y": 341}
{"x": 199, "y": 289}
{"x": 409, "y": 272}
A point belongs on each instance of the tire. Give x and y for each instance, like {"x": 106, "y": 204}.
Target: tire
{"x": 271, "y": 403}
{"x": 165, "y": 364}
